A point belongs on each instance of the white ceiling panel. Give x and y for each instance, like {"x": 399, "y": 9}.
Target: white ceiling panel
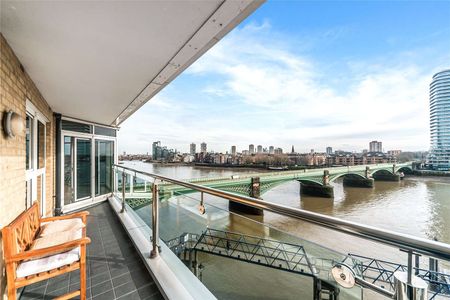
{"x": 101, "y": 61}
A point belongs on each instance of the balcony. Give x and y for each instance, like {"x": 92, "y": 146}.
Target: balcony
{"x": 115, "y": 270}
{"x": 71, "y": 73}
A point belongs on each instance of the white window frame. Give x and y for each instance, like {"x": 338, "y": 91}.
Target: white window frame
{"x": 93, "y": 137}
{"x": 32, "y": 174}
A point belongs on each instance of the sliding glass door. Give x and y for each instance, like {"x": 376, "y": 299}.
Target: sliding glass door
{"x": 77, "y": 169}
{"x": 104, "y": 159}
{"x": 83, "y": 176}
{"x": 88, "y": 154}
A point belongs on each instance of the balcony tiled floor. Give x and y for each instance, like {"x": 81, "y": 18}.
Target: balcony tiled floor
{"x": 115, "y": 270}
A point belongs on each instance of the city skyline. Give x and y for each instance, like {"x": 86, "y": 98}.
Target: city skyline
{"x": 319, "y": 82}
{"x": 373, "y": 147}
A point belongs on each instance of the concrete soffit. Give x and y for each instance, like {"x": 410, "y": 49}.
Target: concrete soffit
{"x": 228, "y": 15}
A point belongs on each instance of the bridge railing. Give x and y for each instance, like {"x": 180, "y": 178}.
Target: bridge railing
{"x": 302, "y": 171}
{"x": 411, "y": 245}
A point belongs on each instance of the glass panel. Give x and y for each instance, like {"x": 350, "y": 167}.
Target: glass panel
{"x": 29, "y": 141}
{"x": 104, "y": 131}
{"x": 40, "y": 194}
{"x": 241, "y": 256}
{"x": 40, "y": 145}
{"x": 119, "y": 175}
{"x": 83, "y": 160}
{"x": 74, "y": 126}
{"x": 69, "y": 192}
{"x": 29, "y": 190}
{"x": 272, "y": 264}
{"x": 104, "y": 159}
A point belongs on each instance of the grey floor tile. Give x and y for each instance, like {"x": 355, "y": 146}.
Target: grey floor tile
{"x": 112, "y": 263}
{"x": 122, "y": 279}
{"x": 105, "y": 296}
{"x": 101, "y": 288}
{"x": 125, "y": 289}
{"x": 148, "y": 290}
{"x": 131, "y": 296}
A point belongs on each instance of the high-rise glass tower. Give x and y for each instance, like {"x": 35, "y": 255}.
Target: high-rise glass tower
{"x": 192, "y": 149}
{"x": 203, "y": 147}
{"x": 439, "y": 157}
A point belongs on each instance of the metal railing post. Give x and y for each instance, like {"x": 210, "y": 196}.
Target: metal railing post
{"x": 124, "y": 178}
{"x": 410, "y": 273}
{"x": 155, "y": 222}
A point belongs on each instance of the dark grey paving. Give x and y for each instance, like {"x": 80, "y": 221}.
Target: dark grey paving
{"x": 115, "y": 270}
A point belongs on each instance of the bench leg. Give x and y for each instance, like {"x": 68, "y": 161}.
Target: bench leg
{"x": 10, "y": 280}
{"x": 83, "y": 273}
{"x": 11, "y": 293}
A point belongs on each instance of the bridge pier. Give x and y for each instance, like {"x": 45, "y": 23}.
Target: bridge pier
{"x": 351, "y": 180}
{"x": 358, "y": 182}
{"x": 322, "y": 191}
{"x": 313, "y": 189}
{"x": 382, "y": 176}
{"x": 255, "y": 192}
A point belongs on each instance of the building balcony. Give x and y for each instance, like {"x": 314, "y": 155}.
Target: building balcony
{"x": 115, "y": 270}
{"x": 71, "y": 73}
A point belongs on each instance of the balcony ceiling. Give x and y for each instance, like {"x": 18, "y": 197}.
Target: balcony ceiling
{"x": 101, "y": 61}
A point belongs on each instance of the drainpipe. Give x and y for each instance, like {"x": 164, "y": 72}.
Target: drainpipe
{"x": 58, "y": 170}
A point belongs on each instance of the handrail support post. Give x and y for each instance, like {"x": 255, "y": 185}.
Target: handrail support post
{"x": 155, "y": 222}
{"x": 124, "y": 178}
{"x": 410, "y": 273}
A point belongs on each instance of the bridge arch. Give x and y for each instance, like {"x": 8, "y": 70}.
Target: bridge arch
{"x": 267, "y": 186}
{"x": 382, "y": 172}
{"x": 351, "y": 174}
{"x": 406, "y": 170}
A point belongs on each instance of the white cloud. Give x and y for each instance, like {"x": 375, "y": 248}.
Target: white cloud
{"x": 281, "y": 97}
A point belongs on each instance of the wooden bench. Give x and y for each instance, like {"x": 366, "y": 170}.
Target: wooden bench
{"x": 23, "y": 256}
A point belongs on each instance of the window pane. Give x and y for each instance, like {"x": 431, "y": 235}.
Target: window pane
{"x": 83, "y": 168}
{"x": 104, "y": 158}
{"x": 74, "y": 126}
{"x": 28, "y": 141}
{"x": 104, "y": 131}
{"x": 40, "y": 145}
{"x": 69, "y": 194}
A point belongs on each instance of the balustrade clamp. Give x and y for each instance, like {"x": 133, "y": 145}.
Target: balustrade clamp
{"x": 124, "y": 178}
{"x": 201, "y": 207}
{"x": 156, "y": 249}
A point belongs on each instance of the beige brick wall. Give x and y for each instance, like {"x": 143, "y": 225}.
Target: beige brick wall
{"x": 15, "y": 87}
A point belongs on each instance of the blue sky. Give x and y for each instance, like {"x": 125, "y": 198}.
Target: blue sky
{"x": 306, "y": 73}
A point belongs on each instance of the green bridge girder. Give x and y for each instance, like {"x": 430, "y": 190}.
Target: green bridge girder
{"x": 240, "y": 184}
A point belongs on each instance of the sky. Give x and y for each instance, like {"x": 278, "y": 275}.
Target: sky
{"x": 310, "y": 74}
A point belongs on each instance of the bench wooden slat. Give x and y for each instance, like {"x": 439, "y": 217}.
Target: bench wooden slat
{"x": 19, "y": 236}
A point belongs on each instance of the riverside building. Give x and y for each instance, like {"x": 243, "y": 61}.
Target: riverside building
{"x": 439, "y": 157}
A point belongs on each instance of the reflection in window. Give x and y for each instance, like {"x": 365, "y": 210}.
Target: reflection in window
{"x": 69, "y": 193}
{"x": 29, "y": 141}
{"x": 83, "y": 162}
{"x": 104, "y": 158}
{"x": 40, "y": 145}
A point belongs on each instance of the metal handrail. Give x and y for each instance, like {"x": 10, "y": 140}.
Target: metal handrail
{"x": 387, "y": 237}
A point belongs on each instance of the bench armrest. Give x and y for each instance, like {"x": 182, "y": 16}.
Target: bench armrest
{"x": 39, "y": 253}
{"x": 81, "y": 214}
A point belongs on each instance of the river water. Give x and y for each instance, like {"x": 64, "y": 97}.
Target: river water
{"x": 418, "y": 206}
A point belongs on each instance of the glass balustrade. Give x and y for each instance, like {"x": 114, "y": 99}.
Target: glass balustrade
{"x": 240, "y": 256}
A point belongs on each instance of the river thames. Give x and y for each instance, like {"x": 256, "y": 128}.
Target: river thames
{"x": 418, "y": 206}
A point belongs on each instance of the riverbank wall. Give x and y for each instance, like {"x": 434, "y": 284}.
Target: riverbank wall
{"x": 431, "y": 173}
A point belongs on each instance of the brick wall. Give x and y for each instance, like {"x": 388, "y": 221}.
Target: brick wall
{"x": 15, "y": 87}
